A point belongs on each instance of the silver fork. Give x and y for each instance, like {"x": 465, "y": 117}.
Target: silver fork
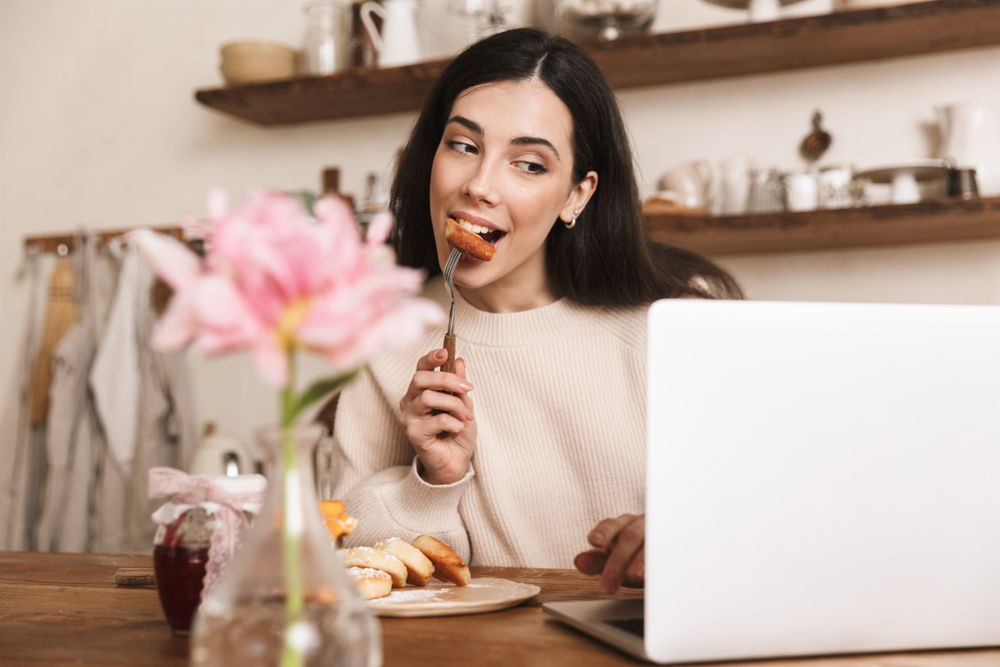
{"x": 449, "y": 337}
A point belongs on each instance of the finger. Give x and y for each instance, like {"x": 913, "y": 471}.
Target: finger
{"x": 432, "y": 360}
{"x": 435, "y": 381}
{"x": 604, "y": 534}
{"x": 591, "y": 562}
{"x": 429, "y": 401}
{"x": 441, "y": 381}
{"x": 423, "y": 433}
{"x": 635, "y": 575}
{"x": 460, "y": 372}
{"x": 630, "y": 541}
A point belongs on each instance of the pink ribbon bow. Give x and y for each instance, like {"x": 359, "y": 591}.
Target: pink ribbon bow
{"x": 230, "y": 522}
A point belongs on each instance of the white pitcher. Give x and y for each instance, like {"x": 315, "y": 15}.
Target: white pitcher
{"x": 398, "y": 44}
{"x": 970, "y": 133}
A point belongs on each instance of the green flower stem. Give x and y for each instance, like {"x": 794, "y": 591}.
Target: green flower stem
{"x": 291, "y": 406}
{"x": 291, "y": 655}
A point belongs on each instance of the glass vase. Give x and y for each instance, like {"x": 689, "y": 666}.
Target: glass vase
{"x": 286, "y": 598}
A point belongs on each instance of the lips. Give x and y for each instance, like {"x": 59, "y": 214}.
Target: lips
{"x": 488, "y": 234}
{"x": 491, "y": 236}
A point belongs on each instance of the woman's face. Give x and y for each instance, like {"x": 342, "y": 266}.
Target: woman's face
{"x": 505, "y": 162}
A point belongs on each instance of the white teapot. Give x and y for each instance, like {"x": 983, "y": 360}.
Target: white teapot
{"x": 398, "y": 43}
{"x": 221, "y": 455}
{"x": 970, "y": 134}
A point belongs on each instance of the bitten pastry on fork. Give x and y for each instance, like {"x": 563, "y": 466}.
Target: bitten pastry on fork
{"x": 467, "y": 241}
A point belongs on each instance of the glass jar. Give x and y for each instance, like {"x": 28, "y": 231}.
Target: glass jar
{"x": 604, "y": 19}
{"x": 182, "y": 542}
{"x": 324, "y": 48}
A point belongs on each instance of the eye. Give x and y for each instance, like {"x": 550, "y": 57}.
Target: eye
{"x": 461, "y": 147}
{"x": 530, "y": 167}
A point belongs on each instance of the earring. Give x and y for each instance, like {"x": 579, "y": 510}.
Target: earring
{"x": 572, "y": 223}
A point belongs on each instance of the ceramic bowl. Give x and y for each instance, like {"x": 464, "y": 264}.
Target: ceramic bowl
{"x": 257, "y": 62}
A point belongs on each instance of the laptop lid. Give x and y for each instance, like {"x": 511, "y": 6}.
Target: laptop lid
{"x": 822, "y": 478}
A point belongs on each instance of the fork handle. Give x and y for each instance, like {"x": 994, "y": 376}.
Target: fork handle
{"x": 449, "y": 345}
{"x": 447, "y": 367}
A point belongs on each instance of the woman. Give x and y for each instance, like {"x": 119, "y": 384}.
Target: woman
{"x": 521, "y": 455}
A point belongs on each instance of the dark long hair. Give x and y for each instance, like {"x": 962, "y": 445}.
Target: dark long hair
{"x": 607, "y": 259}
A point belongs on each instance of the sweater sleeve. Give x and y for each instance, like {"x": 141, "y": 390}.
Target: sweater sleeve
{"x": 376, "y": 475}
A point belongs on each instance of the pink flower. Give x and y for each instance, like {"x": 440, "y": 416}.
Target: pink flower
{"x": 275, "y": 280}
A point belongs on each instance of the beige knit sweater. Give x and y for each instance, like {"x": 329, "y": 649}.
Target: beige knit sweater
{"x": 560, "y": 402}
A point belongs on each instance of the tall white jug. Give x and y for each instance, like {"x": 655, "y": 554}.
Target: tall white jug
{"x": 970, "y": 133}
{"x": 398, "y": 43}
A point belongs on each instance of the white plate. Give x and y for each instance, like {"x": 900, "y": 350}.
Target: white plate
{"x": 439, "y": 599}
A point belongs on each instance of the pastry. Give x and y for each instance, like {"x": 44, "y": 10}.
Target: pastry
{"x": 419, "y": 568}
{"x": 448, "y": 565}
{"x": 380, "y": 560}
{"x": 468, "y": 241}
{"x": 371, "y": 583}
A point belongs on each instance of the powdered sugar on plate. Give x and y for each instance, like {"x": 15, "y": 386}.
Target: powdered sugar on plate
{"x": 482, "y": 595}
{"x": 415, "y": 594}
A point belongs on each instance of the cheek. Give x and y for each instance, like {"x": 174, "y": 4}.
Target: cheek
{"x": 445, "y": 180}
{"x": 537, "y": 211}
{"x": 436, "y": 182}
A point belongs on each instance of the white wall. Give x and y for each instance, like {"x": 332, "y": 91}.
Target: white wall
{"x": 99, "y": 128}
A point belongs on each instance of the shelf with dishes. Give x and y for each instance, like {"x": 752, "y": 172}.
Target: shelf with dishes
{"x": 648, "y": 59}
{"x": 894, "y": 224}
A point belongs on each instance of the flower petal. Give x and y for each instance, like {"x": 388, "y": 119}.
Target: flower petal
{"x": 271, "y": 361}
{"x": 178, "y": 325}
{"x": 225, "y": 320}
{"x": 217, "y": 203}
{"x": 379, "y": 228}
{"x": 171, "y": 260}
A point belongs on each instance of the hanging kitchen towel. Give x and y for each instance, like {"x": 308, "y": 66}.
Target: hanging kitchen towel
{"x": 15, "y": 438}
{"x": 115, "y": 378}
{"x": 74, "y": 443}
{"x": 167, "y": 429}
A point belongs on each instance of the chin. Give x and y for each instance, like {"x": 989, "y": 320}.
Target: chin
{"x": 473, "y": 279}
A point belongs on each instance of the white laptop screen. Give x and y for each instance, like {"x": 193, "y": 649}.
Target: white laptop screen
{"x": 822, "y": 478}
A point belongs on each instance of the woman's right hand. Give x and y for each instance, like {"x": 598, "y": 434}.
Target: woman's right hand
{"x": 440, "y": 425}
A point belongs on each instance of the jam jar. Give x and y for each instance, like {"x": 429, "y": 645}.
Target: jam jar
{"x": 180, "y": 551}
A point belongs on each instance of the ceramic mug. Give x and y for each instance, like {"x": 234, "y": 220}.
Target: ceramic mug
{"x": 801, "y": 192}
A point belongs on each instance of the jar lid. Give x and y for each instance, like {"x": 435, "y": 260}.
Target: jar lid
{"x": 238, "y": 484}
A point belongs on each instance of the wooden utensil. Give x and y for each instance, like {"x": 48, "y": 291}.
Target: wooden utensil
{"x": 135, "y": 576}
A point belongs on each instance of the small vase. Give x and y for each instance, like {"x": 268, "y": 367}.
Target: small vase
{"x": 286, "y": 598}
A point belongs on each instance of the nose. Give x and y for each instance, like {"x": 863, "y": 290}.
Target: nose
{"x": 481, "y": 186}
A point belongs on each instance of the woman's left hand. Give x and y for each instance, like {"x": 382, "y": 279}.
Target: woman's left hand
{"x": 619, "y": 552}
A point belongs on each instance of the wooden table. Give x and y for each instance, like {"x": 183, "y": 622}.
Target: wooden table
{"x": 61, "y": 609}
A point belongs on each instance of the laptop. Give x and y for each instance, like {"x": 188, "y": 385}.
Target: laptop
{"x": 822, "y": 478}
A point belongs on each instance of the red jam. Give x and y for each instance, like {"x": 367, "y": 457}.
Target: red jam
{"x": 180, "y": 574}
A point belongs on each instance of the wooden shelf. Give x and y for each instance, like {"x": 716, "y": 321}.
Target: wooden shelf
{"x": 932, "y": 221}
{"x": 647, "y": 60}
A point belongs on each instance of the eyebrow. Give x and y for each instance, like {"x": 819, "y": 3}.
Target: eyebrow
{"x": 535, "y": 141}
{"x": 519, "y": 141}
